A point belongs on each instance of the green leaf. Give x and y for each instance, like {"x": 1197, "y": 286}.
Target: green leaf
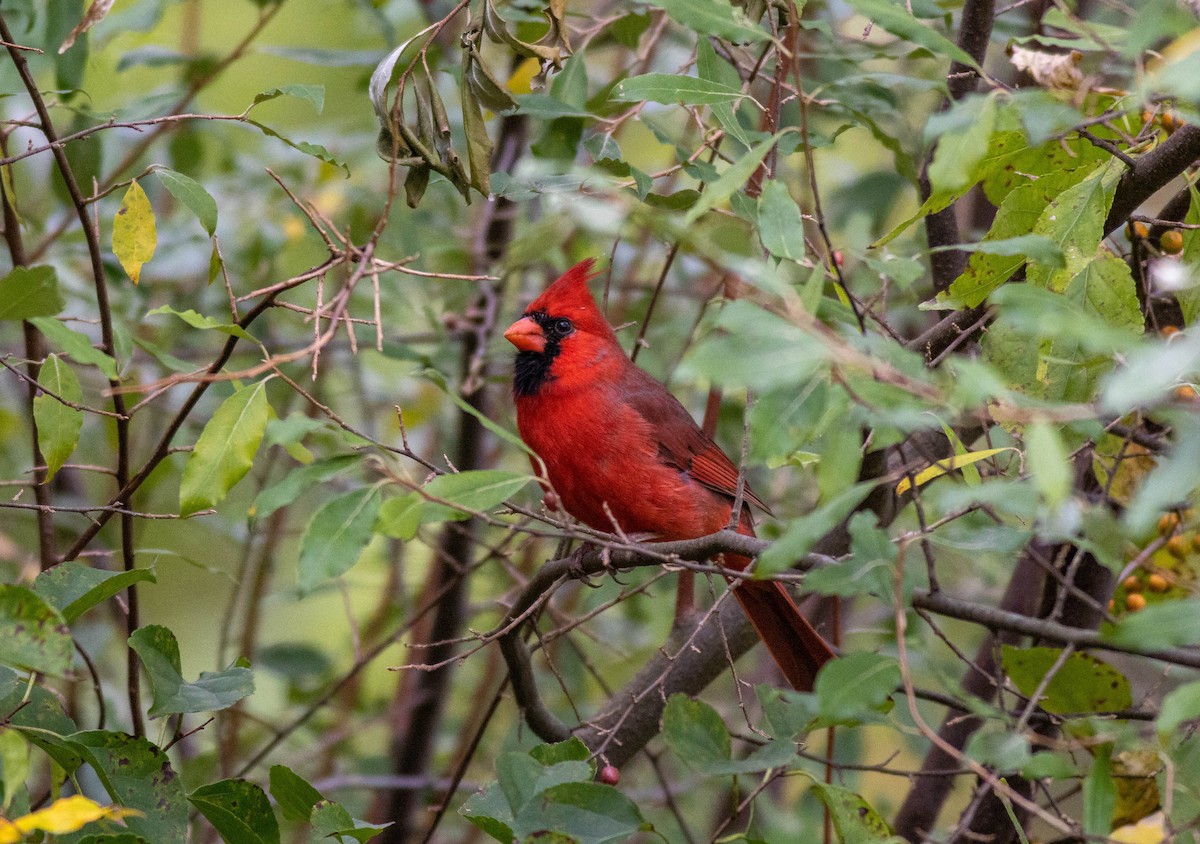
{"x": 14, "y": 766}
{"x": 193, "y": 196}
{"x": 714, "y": 17}
{"x": 225, "y": 451}
{"x": 399, "y": 518}
{"x": 213, "y": 691}
{"x": 138, "y": 775}
{"x": 571, "y": 750}
{"x": 292, "y": 792}
{"x": 1181, "y": 704}
{"x": 1035, "y": 247}
{"x": 30, "y": 292}
{"x": 314, "y": 95}
{"x": 315, "y": 150}
{"x": 1074, "y": 220}
{"x": 1189, "y": 297}
{"x": 1047, "y": 764}
{"x": 713, "y": 69}
{"x": 1082, "y": 683}
{"x": 78, "y": 346}
{"x": 856, "y": 688}
{"x": 58, "y": 425}
{"x": 854, "y": 819}
{"x": 478, "y": 490}
{"x": 39, "y": 714}
{"x": 134, "y": 234}
{"x": 959, "y": 152}
{"x": 1161, "y": 625}
{"x": 1016, "y": 217}
{"x": 730, "y": 181}
{"x": 298, "y": 481}
{"x": 73, "y": 588}
{"x": 1046, "y": 457}
{"x": 489, "y": 810}
{"x": 1007, "y": 752}
{"x": 336, "y": 536}
{"x": 779, "y": 224}
{"x": 801, "y": 534}
{"x": 36, "y": 636}
{"x": 196, "y": 320}
{"x": 670, "y": 88}
{"x": 898, "y": 22}
{"x": 582, "y": 812}
{"x": 331, "y": 820}
{"x": 695, "y": 733}
{"x": 1099, "y": 794}
{"x": 239, "y": 810}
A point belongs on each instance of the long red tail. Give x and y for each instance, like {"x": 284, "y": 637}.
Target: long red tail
{"x": 796, "y": 646}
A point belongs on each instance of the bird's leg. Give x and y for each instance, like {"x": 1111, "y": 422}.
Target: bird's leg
{"x": 575, "y": 568}
{"x": 685, "y": 596}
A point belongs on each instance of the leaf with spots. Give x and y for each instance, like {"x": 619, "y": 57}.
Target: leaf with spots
{"x": 239, "y": 810}
{"x": 36, "y": 637}
{"x": 854, "y": 819}
{"x": 134, "y": 236}
{"x": 1082, "y": 683}
{"x": 138, "y": 775}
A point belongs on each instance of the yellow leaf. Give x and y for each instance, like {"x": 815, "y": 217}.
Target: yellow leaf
{"x": 1148, "y": 830}
{"x": 134, "y": 233}
{"x": 521, "y": 80}
{"x": 67, "y": 814}
{"x": 941, "y": 467}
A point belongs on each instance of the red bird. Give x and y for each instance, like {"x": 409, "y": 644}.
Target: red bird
{"x": 621, "y": 452}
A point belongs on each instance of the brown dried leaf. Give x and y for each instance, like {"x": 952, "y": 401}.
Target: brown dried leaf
{"x": 93, "y": 16}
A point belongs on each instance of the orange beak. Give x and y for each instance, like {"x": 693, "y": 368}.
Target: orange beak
{"x": 526, "y": 335}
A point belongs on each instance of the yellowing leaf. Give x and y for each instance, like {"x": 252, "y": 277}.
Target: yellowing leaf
{"x": 521, "y": 79}
{"x": 62, "y": 816}
{"x": 134, "y": 233}
{"x": 942, "y": 467}
{"x": 1148, "y": 830}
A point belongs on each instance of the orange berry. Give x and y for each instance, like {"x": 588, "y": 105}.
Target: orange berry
{"x": 1167, "y": 523}
{"x": 1131, "y": 584}
{"x": 1171, "y": 242}
{"x": 1157, "y": 583}
{"x": 1111, "y": 604}
{"x": 1135, "y": 602}
{"x": 1139, "y": 230}
{"x": 1186, "y": 392}
{"x": 1179, "y": 546}
{"x": 1168, "y": 330}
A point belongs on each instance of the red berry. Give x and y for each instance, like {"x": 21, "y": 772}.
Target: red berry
{"x": 610, "y": 775}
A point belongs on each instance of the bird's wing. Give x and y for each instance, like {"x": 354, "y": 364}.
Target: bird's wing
{"x": 681, "y": 443}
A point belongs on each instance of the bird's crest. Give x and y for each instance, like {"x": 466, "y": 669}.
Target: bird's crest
{"x": 569, "y": 297}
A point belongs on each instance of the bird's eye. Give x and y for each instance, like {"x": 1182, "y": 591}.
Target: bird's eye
{"x": 563, "y": 327}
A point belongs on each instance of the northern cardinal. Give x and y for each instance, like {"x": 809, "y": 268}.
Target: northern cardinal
{"x": 620, "y": 452}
